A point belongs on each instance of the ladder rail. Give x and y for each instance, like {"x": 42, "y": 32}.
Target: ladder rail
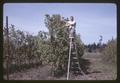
{"x": 69, "y": 60}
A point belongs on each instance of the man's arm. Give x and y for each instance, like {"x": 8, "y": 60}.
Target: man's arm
{"x": 67, "y": 24}
{"x": 73, "y": 24}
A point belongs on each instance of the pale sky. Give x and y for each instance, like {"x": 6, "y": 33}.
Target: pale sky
{"x": 92, "y": 19}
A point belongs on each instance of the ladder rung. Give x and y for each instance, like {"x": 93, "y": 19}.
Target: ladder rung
{"x": 74, "y": 60}
{"x": 73, "y": 53}
{"x": 74, "y": 57}
{"x": 75, "y": 69}
{"x": 77, "y": 72}
{"x": 75, "y": 65}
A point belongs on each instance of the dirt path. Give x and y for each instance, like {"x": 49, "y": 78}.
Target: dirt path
{"x": 92, "y": 64}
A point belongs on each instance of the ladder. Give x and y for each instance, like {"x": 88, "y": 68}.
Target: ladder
{"x": 73, "y": 61}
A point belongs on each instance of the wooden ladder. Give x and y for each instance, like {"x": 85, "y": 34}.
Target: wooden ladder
{"x": 73, "y": 61}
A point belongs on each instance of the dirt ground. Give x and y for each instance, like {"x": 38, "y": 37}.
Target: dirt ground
{"x": 93, "y": 64}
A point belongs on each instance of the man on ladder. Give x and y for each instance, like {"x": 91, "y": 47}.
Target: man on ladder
{"x": 71, "y": 24}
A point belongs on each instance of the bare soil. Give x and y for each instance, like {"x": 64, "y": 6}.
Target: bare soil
{"x": 91, "y": 63}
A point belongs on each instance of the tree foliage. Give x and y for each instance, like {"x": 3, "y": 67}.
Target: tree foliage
{"x": 60, "y": 42}
{"x": 45, "y": 48}
{"x": 110, "y": 52}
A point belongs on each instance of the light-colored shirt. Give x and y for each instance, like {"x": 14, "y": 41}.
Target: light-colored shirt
{"x": 71, "y": 24}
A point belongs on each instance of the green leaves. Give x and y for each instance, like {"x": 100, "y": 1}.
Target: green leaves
{"x": 60, "y": 42}
{"x": 46, "y": 47}
{"x": 110, "y": 52}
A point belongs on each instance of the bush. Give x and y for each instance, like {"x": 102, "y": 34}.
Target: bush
{"x": 110, "y": 52}
{"x": 22, "y": 49}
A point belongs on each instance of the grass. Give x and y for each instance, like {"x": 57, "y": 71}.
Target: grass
{"x": 98, "y": 70}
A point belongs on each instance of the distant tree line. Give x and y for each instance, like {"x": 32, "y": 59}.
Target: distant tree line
{"x": 95, "y": 47}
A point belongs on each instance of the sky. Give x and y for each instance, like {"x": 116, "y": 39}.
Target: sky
{"x": 92, "y": 19}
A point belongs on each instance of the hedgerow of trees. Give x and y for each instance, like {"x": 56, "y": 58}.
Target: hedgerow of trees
{"x": 50, "y": 47}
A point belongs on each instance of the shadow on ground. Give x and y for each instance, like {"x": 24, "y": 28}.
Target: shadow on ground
{"x": 85, "y": 66}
